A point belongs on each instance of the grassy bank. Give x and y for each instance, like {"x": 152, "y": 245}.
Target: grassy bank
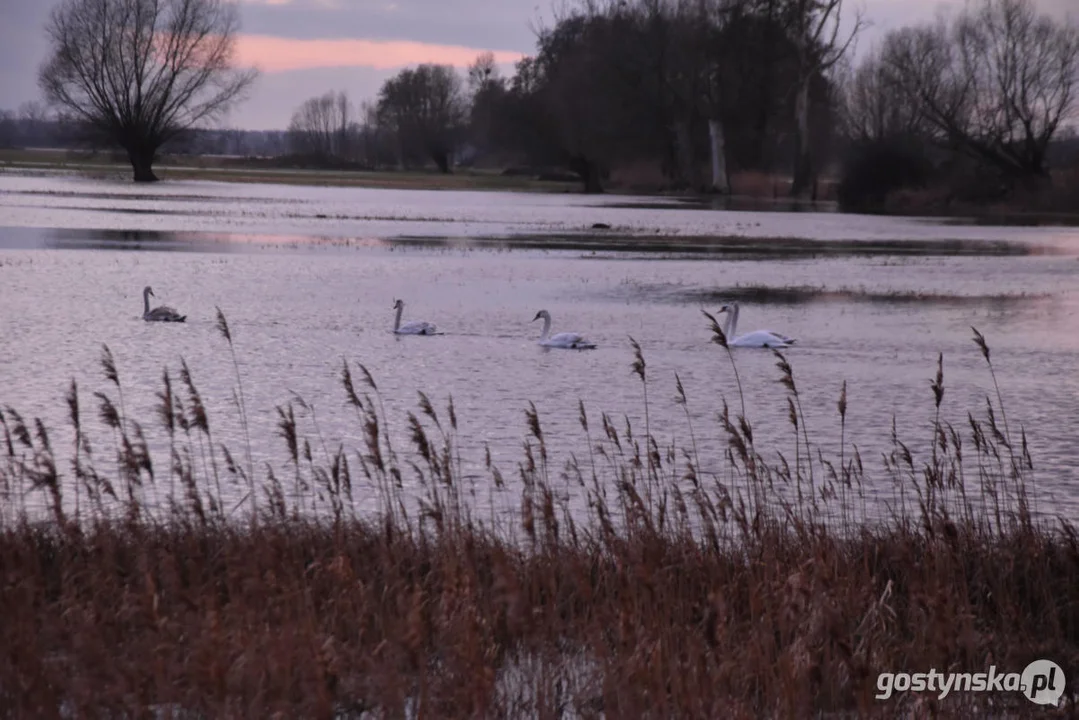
{"x": 254, "y": 170}
{"x": 766, "y": 589}
{"x": 750, "y": 190}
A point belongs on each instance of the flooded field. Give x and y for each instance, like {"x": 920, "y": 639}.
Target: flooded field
{"x": 307, "y": 277}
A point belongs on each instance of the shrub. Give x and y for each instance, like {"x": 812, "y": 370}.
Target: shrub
{"x": 875, "y": 168}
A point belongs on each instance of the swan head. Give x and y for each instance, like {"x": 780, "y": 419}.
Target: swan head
{"x": 398, "y": 304}
{"x": 148, "y": 291}
{"x": 541, "y": 315}
{"x": 729, "y": 308}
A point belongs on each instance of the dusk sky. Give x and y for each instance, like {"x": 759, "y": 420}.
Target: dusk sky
{"x": 306, "y": 47}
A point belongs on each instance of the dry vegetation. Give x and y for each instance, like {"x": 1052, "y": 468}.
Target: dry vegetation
{"x": 793, "y": 294}
{"x": 768, "y": 590}
{"x": 270, "y": 170}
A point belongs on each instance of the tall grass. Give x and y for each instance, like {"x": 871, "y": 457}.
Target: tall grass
{"x": 765, "y": 589}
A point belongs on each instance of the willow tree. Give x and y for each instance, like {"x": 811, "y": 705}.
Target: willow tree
{"x": 139, "y": 72}
{"x": 997, "y": 82}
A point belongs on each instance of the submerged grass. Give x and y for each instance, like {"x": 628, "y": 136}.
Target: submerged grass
{"x": 764, "y": 589}
{"x": 799, "y": 294}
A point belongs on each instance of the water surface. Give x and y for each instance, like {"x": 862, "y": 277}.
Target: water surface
{"x": 306, "y": 277}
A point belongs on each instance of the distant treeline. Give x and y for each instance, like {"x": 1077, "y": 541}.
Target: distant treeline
{"x": 30, "y": 126}
{"x": 692, "y": 94}
{"x": 675, "y": 92}
{"x": 703, "y": 94}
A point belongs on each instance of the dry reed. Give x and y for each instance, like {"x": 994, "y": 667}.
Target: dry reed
{"x": 766, "y": 590}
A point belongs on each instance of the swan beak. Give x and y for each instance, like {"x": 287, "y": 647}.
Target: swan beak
{"x": 536, "y": 318}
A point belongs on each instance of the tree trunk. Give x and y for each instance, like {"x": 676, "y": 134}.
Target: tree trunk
{"x": 442, "y": 160}
{"x": 686, "y": 168}
{"x": 588, "y": 172}
{"x": 142, "y": 162}
{"x": 803, "y": 159}
{"x": 720, "y": 180}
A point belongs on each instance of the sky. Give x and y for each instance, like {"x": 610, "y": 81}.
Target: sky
{"x": 307, "y": 47}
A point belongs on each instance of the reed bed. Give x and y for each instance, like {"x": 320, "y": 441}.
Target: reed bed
{"x": 765, "y": 589}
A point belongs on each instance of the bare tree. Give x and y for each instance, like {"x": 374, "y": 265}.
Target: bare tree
{"x": 482, "y": 71}
{"x": 425, "y": 109}
{"x": 141, "y": 71}
{"x": 320, "y": 128}
{"x": 8, "y": 128}
{"x": 33, "y": 112}
{"x": 1023, "y": 71}
{"x": 872, "y": 105}
{"x": 816, "y": 28}
{"x": 711, "y": 19}
{"x": 487, "y": 93}
{"x": 997, "y": 82}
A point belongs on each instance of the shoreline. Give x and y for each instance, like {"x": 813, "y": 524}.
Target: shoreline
{"x": 267, "y": 170}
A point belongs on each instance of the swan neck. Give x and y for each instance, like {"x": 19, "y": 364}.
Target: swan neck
{"x": 546, "y": 326}
{"x": 732, "y": 323}
{"x": 397, "y": 320}
{"x": 145, "y": 303}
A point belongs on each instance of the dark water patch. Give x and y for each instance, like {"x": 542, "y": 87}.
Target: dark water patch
{"x": 590, "y": 245}
{"x": 384, "y": 218}
{"x": 121, "y": 210}
{"x": 801, "y": 294}
{"x": 16, "y": 238}
{"x": 146, "y": 197}
{"x": 1016, "y": 219}
{"x": 728, "y": 202}
{"x": 736, "y": 246}
{"x": 31, "y": 238}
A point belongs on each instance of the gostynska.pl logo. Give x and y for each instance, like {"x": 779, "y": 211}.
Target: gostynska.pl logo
{"x": 1041, "y": 682}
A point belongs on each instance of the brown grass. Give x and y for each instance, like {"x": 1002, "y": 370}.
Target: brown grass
{"x": 756, "y": 184}
{"x": 1054, "y": 202}
{"x": 638, "y": 176}
{"x": 254, "y": 170}
{"x": 766, "y": 590}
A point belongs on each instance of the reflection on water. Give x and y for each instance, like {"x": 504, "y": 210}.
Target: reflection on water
{"x": 791, "y": 295}
{"x": 350, "y": 213}
{"x": 612, "y": 245}
{"x": 301, "y": 303}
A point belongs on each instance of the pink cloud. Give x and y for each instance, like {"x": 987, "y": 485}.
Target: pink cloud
{"x": 277, "y": 54}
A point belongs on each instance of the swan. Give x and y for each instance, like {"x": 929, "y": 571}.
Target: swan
{"x": 416, "y": 327}
{"x": 567, "y": 340}
{"x": 757, "y": 338}
{"x": 159, "y": 314}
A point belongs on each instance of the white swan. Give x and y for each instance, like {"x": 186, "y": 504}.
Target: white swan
{"x": 568, "y": 340}
{"x": 416, "y": 327}
{"x": 158, "y": 314}
{"x": 757, "y": 338}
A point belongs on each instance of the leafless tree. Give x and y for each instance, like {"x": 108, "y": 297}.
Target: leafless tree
{"x": 872, "y": 106}
{"x": 816, "y": 27}
{"x": 321, "y": 127}
{"x": 707, "y": 21}
{"x": 482, "y": 71}
{"x": 425, "y": 109}
{"x": 8, "y": 128}
{"x": 997, "y": 82}
{"x": 141, "y": 71}
{"x": 33, "y": 112}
